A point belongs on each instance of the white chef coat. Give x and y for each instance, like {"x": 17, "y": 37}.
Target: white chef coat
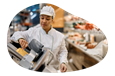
{"x": 53, "y": 40}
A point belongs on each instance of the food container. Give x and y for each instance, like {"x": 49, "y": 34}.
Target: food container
{"x": 86, "y": 35}
{"x": 91, "y": 38}
{"x": 84, "y": 47}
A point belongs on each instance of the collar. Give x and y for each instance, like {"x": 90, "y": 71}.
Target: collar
{"x": 49, "y": 32}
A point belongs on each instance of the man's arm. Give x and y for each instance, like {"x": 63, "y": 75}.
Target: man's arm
{"x": 22, "y": 34}
{"x": 63, "y": 57}
{"x": 63, "y": 53}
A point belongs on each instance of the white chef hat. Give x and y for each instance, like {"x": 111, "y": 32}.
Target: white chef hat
{"x": 47, "y": 10}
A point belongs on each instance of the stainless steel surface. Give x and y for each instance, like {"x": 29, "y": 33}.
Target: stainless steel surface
{"x": 41, "y": 60}
{"x": 12, "y": 49}
{"x": 81, "y": 49}
{"x": 81, "y": 58}
{"x": 24, "y": 63}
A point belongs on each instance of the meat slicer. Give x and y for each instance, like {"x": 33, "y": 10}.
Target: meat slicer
{"x": 35, "y": 59}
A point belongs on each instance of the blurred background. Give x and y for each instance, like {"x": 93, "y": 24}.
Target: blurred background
{"x": 86, "y": 43}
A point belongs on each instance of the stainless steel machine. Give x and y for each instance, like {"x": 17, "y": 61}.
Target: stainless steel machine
{"x": 35, "y": 59}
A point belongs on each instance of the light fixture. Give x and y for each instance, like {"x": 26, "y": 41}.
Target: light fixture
{"x": 31, "y": 13}
{"x": 33, "y": 16}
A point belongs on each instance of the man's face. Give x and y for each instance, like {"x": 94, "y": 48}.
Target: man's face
{"x": 45, "y": 21}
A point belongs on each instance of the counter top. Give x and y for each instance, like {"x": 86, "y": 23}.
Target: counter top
{"x": 81, "y": 58}
{"x": 82, "y": 49}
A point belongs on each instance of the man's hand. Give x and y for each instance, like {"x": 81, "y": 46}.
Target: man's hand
{"x": 63, "y": 67}
{"x": 23, "y": 43}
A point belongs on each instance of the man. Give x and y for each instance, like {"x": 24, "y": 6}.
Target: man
{"x": 47, "y": 36}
